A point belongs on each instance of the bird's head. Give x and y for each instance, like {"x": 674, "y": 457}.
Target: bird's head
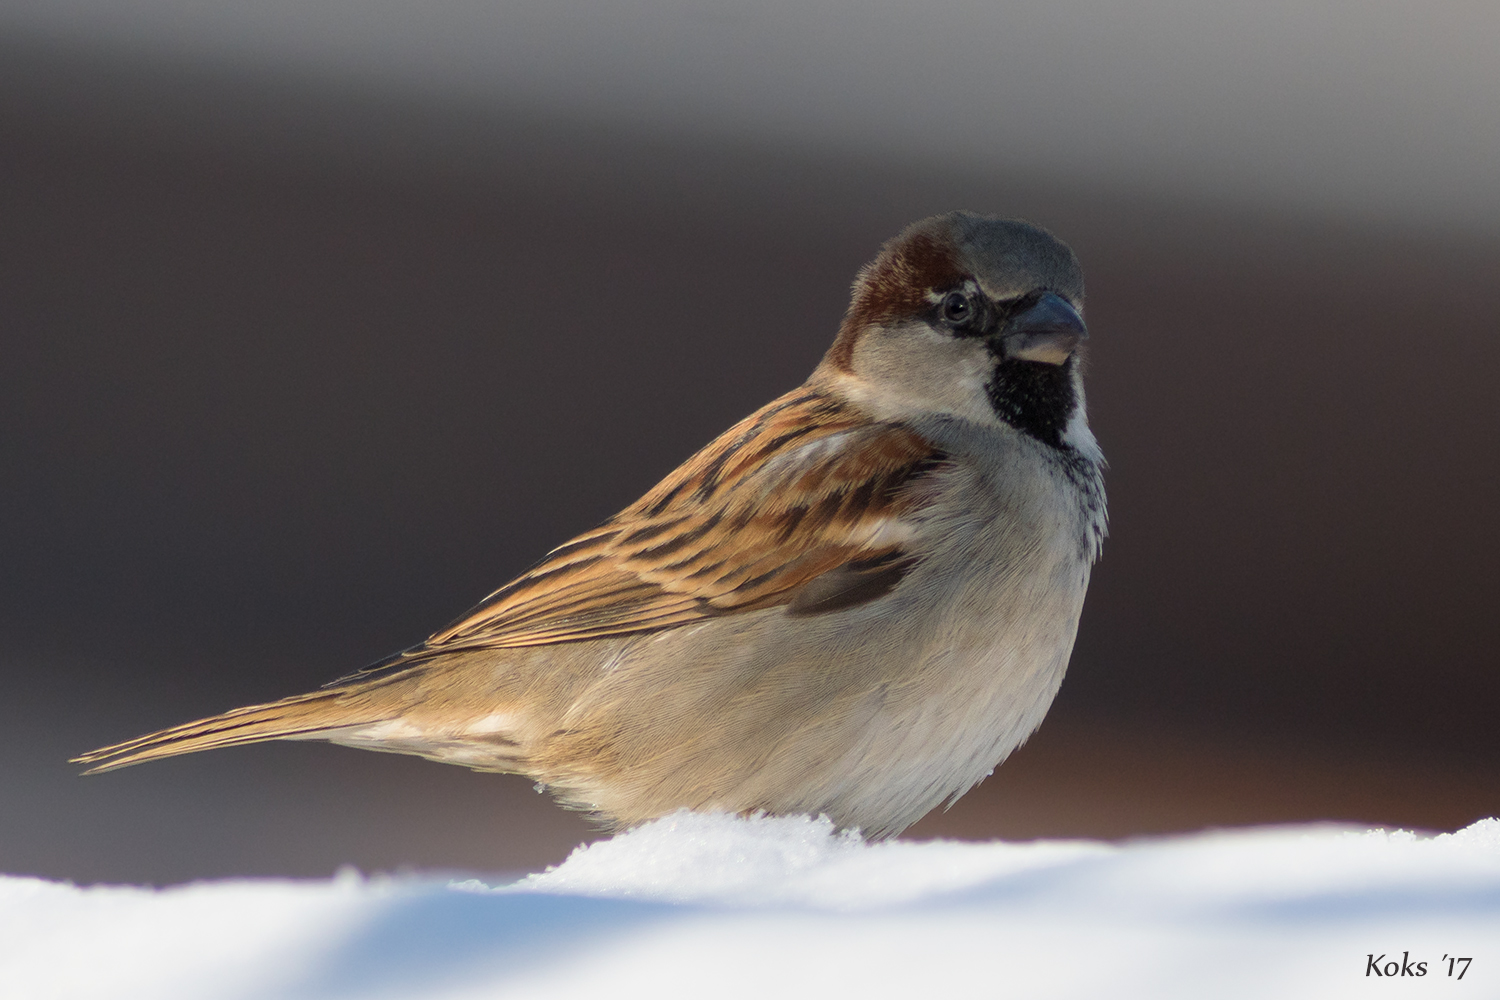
{"x": 968, "y": 316}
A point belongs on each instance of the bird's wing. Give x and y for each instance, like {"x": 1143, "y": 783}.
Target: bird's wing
{"x": 803, "y": 503}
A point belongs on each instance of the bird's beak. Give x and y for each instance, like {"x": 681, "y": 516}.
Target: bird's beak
{"x": 1049, "y": 331}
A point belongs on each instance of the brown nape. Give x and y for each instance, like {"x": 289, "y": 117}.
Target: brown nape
{"x": 895, "y": 285}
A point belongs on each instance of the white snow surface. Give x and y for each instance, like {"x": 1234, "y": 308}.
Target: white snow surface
{"x": 719, "y": 906}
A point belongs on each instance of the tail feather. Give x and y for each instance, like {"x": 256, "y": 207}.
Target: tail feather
{"x": 299, "y": 717}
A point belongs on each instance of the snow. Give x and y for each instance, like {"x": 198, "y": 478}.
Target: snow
{"x": 718, "y": 906}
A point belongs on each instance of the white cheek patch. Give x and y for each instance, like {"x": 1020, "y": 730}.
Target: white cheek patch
{"x": 916, "y": 371}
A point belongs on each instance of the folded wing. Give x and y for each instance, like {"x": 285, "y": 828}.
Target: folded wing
{"x": 800, "y": 491}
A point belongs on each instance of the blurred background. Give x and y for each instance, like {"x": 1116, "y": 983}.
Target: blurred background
{"x": 320, "y": 319}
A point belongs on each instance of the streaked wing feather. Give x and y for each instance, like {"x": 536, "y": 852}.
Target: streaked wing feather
{"x": 793, "y": 492}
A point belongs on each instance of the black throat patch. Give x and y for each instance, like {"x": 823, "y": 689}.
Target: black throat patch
{"x": 1034, "y": 397}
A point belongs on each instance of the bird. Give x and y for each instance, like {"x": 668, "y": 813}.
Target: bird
{"x": 856, "y": 602}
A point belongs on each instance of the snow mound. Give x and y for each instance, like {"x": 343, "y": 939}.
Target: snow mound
{"x": 713, "y": 858}
{"x": 706, "y": 905}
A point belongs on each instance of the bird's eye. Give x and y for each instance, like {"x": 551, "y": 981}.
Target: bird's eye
{"x": 957, "y": 309}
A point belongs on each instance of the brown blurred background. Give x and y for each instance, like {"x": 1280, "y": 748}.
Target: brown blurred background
{"x": 297, "y": 365}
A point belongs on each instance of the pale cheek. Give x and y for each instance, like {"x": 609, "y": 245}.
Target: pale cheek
{"x": 912, "y": 372}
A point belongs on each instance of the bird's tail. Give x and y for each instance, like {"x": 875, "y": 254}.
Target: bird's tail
{"x": 318, "y": 714}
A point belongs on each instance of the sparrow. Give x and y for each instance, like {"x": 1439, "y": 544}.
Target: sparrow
{"x": 855, "y": 602}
